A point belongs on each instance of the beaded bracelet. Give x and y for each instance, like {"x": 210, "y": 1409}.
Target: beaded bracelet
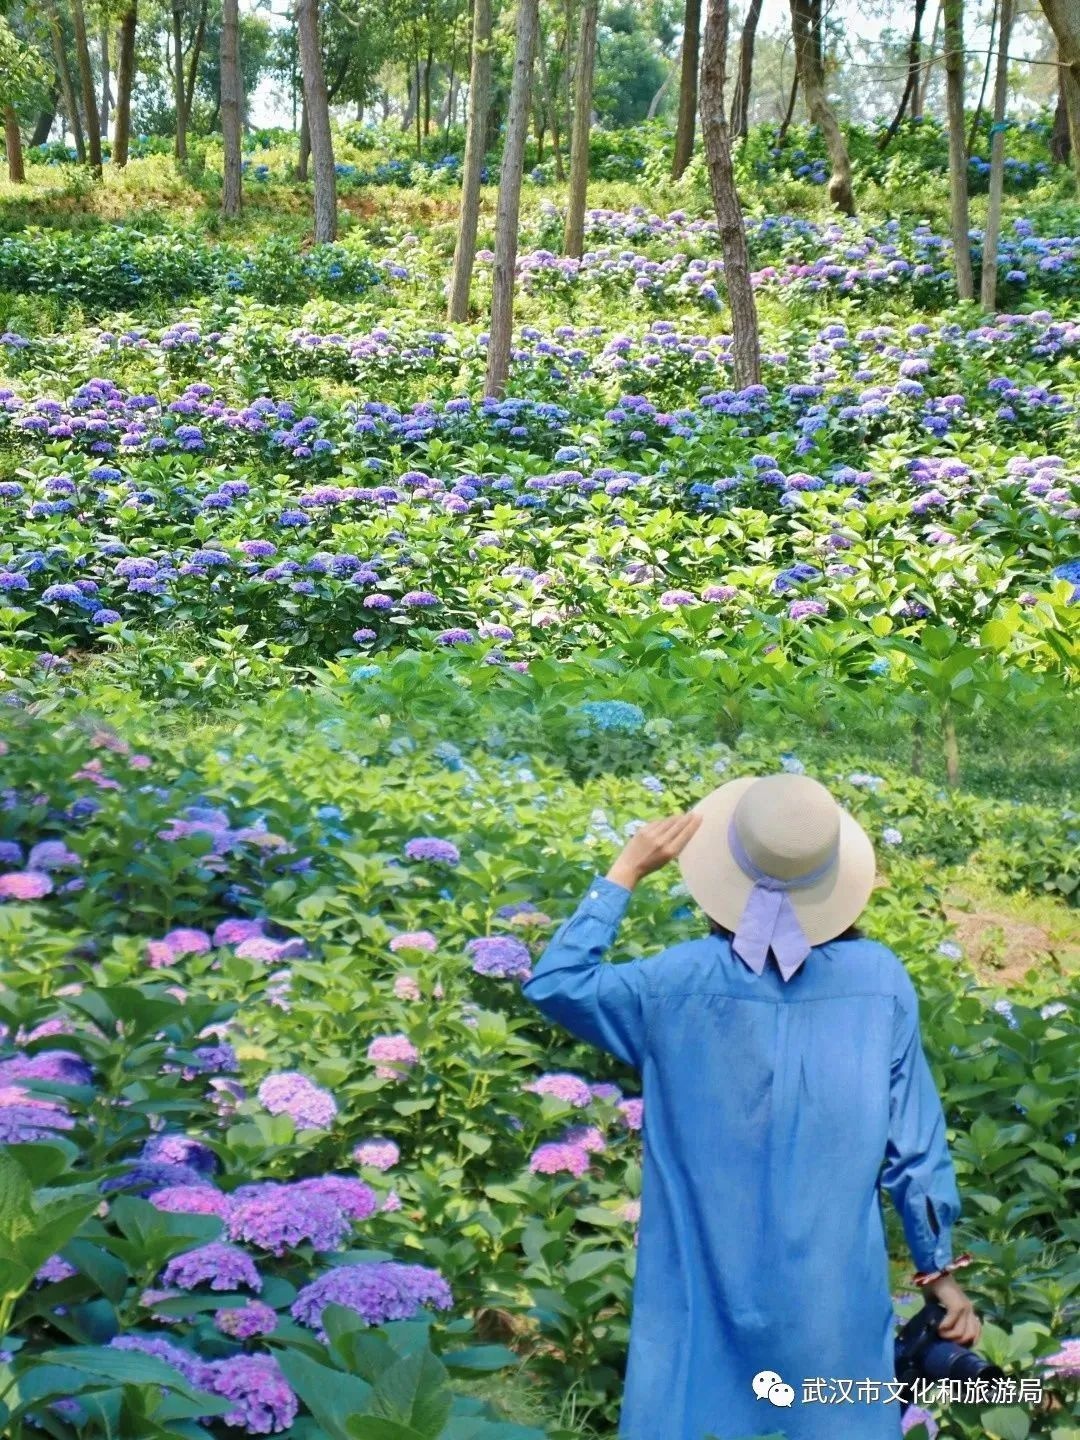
{"x": 922, "y": 1277}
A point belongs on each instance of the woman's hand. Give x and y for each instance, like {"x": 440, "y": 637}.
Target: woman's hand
{"x": 652, "y": 847}
{"x": 959, "y": 1323}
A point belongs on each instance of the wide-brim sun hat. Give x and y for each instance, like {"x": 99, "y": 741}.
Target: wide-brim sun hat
{"x": 777, "y": 858}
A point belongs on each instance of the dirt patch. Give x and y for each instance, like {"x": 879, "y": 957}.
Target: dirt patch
{"x": 999, "y": 948}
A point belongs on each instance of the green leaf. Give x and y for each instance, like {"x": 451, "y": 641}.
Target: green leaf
{"x": 413, "y": 1391}
{"x": 129, "y": 1367}
{"x": 377, "y": 1427}
{"x": 330, "y": 1395}
{"x": 481, "y": 1357}
{"x": 592, "y": 1262}
{"x": 16, "y": 1200}
{"x": 1006, "y": 1422}
{"x": 108, "y": 1274}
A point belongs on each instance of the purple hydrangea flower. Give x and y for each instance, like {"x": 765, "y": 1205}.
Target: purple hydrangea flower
{"x": 244, "y": 1322}
{"x": 430, "y": 847}
{"x": 501, "y": 956}
{"x": 377, "y": 1292}
{"x": 264, "y": 1403}
{"x": 223, "y": 1266}
{"x": 278, "y": 1218}
{"x": 293, "y": 1094}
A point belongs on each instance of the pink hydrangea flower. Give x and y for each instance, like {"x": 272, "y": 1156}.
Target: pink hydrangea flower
{"x": 25, "y": 885}
{"x": 395, "y": 1055}
{"x": 556, "y": 1158}
{"x": 633, "y": 1113}
{"x": 406, "y": 988}
{"x": 379, "y": 1153}
{"x": 414, "y": 940}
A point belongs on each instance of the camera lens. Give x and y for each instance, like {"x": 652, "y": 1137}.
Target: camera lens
{"x": 945, "y": 1360}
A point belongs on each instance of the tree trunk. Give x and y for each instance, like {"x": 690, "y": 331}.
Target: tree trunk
{"x": 410, "y": 101}
{"x": 106, "y": 94}
{"x": 551, "y": 105}
{"x": 125, "y": 79}
{"x": 67, "y": 86}
{"x": 974, "y": 131}
{"x": 807, "y": 32}
{"x": 193, "y": 64}
{"x": 746, "y": 348}
{"x": 574, "y": 236}
{"x": 230, "y": 109}
{"x": 657, "y": 99}
{"x": 13, "y": 142}
{"x": 305, "y": 144}
{"x": 86, "y": 78}
{"x": 451, "y": 95}
{"x": 475, "y": 134}
{"x": 1064, "y": 18}
{"x": 740, "y": 101}
{"x": 785, "y": 124}
{"x": 954, "y": 73}
{"x": 997, "y": 160}
{"x": 418, "y": 117}
{"x": 179, "y": 96}
{"x": 922, "y": 85}
{"x": 1059, "y": 135}
{"x": 952, "y": 751}
{"x": 45, "y": 120}
{"x": 509, "y": 204}
{"x": 688, "y": 88}
{"x": 318, "y": 112}
{"x": 911, "y": 88}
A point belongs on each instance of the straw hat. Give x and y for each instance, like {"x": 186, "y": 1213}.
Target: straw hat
{"x": 776, "y": 859}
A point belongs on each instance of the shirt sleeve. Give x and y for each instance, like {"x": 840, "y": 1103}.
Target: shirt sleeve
{"x": 600, "y": 1002}
{"x": 918, "y": 1169}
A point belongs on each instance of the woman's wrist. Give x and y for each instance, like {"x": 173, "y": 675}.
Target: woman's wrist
{"x": 623, "y": 874}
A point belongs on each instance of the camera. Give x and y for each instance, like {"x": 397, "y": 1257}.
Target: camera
{"x": 921, "y": 1354}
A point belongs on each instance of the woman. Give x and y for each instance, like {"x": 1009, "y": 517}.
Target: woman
{"x": 781, "y": 1064}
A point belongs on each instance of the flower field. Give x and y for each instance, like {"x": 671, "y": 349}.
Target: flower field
{"x": 328, "y": 684}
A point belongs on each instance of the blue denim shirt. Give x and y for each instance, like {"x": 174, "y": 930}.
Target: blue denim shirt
{"x": 775, "y": 1112}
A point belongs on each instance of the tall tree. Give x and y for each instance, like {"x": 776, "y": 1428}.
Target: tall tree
{"x": 193, "y": 63}
{"x": 475, "y": 133}
{"x": 86, "y": 79}
{"x": 14, "y": 147}
{"x": 688, "y": 88}
{"x": 125, "y": 79}
{"x": 973, "y": 131}
{"x": 911, "y": 88}
{"x": 740, "y": 100}
{"x": 63, "y": 70}
{"x": 318, "y": 112}
{"x": 574, "y": 236}
{"x": 958, "y": 178}
{"x": 179, "y": 92}
{"x": 746, "y": 346}
{"x": 106, "y": 93}
{"x": 997, "y": 159}
{"x": 1064, "y": 18}
{"x": 231, "y": 108}
{"x": 922, "y": 83}
{"x": 1059, "y": 134}
{"x": 509, "y": 203}
{"x": 806, "y": 29}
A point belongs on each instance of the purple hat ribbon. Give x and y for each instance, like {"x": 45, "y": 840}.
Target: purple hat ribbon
{"x": 768, "y": 917}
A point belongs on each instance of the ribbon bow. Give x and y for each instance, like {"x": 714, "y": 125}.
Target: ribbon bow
{"x": 768, "y": 917}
